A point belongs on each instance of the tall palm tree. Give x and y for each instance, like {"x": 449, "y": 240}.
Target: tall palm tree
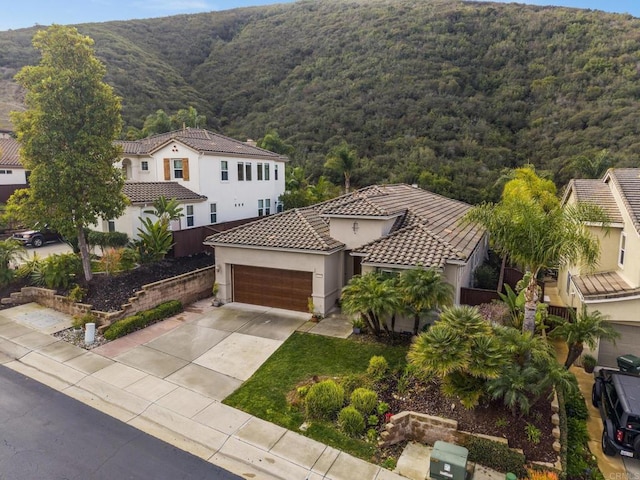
{"x": 166, "y": 209}
{"x": 584, "y": 328}
{"x": 536, "y": 238}
{"x": 373, "y": 297}
{"x": 342, "y": 160}
{"x": 422, "y": 291}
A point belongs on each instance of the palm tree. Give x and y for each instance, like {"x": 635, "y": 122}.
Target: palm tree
{"x": 423, "y": 290}
{"x": 342, "y": 160}
{"x": 536, "y": 238}
{"x": 373, "y": 297}
{"x": 166, "y": 210}
{"x": 10, "y": 251}
{"x": 461, "y": 349}
{"x": 585, "y": 328}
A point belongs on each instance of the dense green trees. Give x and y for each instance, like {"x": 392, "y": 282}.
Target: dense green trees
{"x": 67, "y": 137}
{"x": 444, "y": 94}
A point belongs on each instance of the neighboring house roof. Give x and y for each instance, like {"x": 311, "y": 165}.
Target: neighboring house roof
{"x": 598, "y": 193}
{"x": 603, "y": 285}
{"x": 427, "y": 231}
{"x": 627, "y": 181}
{"x": 141, "y": 193}
{"x": 9, "y": 148}
{"x": 200, "y": 140}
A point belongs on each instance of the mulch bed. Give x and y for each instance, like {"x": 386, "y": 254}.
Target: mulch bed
{"x": 491, "y": 418}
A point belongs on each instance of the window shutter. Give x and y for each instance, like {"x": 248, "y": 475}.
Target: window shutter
{"x": 167, "y": 169}
{"x": 185, "y": 169}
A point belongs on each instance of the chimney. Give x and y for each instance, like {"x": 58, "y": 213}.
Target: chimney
{"x": 251, "y": 142}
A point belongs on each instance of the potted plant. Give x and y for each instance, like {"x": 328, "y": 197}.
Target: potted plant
{"x": 358, "y": 325}
{"x": 589, "y": 362}
{"x": 214, "y": 290}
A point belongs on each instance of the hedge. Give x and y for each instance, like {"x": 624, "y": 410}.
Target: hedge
{"x": 142, "y": 319}
{"x": 497, "y": 456}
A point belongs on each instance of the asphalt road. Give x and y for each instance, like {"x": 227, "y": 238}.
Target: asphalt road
{"x": 46, "y": 435}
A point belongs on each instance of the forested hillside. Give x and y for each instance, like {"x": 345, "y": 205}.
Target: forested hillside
{"x": 441, "y": 93}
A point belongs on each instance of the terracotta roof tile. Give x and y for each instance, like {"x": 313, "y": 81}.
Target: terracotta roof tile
{"x": 298, "y": 229}
{"x": 148, "y": 192}
{"x": 200, "y": 140}
{"x": 9, "y": 148}
{"x": 426, "y": 232}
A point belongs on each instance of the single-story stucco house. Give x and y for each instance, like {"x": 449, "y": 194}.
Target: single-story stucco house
{"x": 285, "y": 260}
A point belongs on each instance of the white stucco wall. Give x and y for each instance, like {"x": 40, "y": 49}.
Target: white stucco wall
{"x": 17, "y": 176}
{"x": 366, "y": 230}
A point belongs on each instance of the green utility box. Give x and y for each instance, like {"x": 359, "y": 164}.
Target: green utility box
{"x": 629, "y": 363}
{"x": 448, "y": 462}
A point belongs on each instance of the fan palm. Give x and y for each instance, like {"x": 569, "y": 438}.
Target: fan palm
{"x": 423, "y": 290}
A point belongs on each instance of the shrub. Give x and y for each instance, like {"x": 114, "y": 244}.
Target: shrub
{"x": 76, "y": 294}
{"x": 142, "y": 319}
{"x": 303, "y": 390}
{"x": 59, "y": 270}
{"x": 486, "y": 276}
{"x": 110, "y": 260}
{"x": 107, "y": 239}
{"x": 364, "y": 400}
{"x": 352, "y": 381}
{"x": 372, "y": 435}
{"x": 533, "y": 433}
{"x": 378, "y": 367}
{"x": 79, "y": 321}
{"x": 324, "y": 399}
{"x": 495, "y": 455}
{"x": 383, "y": 407}
{"x": 542, "y": 474}
{"x": 575, "y": 405}
{"x": 128, "y": 259}
{"x": 351, "y": 421}
{"x": 372, "y": 420}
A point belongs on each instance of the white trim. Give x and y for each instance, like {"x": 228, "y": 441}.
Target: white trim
{"x": 610, "y": 300}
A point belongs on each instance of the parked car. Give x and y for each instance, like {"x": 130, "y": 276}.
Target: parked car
{"x": 38, "y": 236}
{"x": 617, "y": 395}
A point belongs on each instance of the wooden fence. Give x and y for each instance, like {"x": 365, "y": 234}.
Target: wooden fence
{"x": 189, "y": 241}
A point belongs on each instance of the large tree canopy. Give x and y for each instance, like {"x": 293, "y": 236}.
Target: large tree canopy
{"x": 67, "y": 137}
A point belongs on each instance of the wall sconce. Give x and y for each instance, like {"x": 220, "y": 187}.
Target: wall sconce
{"x": 355, "y": 227}
{"x": 218, "y": 268}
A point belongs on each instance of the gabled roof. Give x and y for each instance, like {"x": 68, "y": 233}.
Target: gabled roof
{"x": 426, "y": 232}
{"x": 297, "y": 229}
{"x": 598, "y": 193}
{"x": 141, "y": 193}
{"x": 627, "y": 181}
{"x": 200, "y": 140}
{"x": 9, "y": 156}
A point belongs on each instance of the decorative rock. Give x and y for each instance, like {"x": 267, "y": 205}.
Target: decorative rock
{"x": 556, "y": 432}
{"x": 555, "y": 419}
{"x": 555, "y": 406}
{"x": 556, "y": 446}
{"x": 304, "y": 427}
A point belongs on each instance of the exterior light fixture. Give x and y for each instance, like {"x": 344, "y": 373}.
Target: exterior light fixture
{"x": 355, "y": 227}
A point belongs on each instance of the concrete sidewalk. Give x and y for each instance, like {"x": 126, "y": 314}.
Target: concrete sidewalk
{"x": 168, "y": 380}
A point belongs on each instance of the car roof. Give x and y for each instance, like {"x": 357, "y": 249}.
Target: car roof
{"x": 629, "y": 386}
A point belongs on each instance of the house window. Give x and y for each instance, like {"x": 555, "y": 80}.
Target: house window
{"x": 267, "y": 206}
{"x": 279, "y": 206}
{"x": 623, "y": 246}
{"x": 247, "y": 172}
{"x": 190, "y": 221}
{"x": 240, "y": 171}
{"x": 260, "y": 208}
{"x": 275, "y": 172}
{"x": 213, "y": 208}
{"x": 111, "y": 225}
{"x": 569, "y": 282}
{"x": 144, "y": 166}
{"x": 6, "y": 172}
{"x": 224, "y": 170}
{"x": 177, "y": 168}
{"x": 259, "y": 169}
{"x": 266, "y": 171}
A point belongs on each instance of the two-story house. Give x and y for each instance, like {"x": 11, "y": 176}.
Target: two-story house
{"x": 215, "y": 178}
{"x": 12, "y": 174}
{"x": 613, "y": 288}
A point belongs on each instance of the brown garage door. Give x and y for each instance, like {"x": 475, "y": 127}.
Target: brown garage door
{"x": 272, "y": 287}
{"x": 629, "y": 342}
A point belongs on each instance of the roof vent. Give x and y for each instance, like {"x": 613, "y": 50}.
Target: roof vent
{"x": 251, "y": 142}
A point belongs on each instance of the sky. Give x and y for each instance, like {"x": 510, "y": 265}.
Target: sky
{"x": 16, "y": 14}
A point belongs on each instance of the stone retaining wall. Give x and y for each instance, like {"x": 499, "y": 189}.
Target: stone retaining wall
{"x": 187, "y": 288}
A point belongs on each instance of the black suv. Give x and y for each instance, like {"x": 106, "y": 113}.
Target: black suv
{"x": 617, "y": 396}
{"x": 38, "y": 236}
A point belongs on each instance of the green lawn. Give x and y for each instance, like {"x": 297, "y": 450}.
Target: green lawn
{"x": 301, "y": 357}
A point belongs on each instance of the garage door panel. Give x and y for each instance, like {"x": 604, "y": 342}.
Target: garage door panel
{"x": 629, "y": 342}
{"x": 288, "y": 289}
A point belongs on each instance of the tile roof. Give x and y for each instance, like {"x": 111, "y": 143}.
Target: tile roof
{"x": 9, "y": 156}
{"x": 427, "y": 230}
{"x": 596, "y": 192}
{"x": 148, "y": 192}
{"x": 297, "y": 229}
{"x": 628, "y": 182}
{"x": 200, "y": 140}
{"x": 603, "y": 285}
